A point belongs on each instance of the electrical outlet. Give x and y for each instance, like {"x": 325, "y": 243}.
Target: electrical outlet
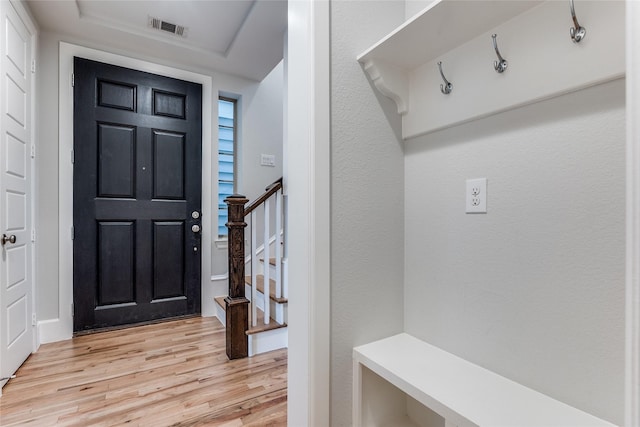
{"x": 476, "y": 195}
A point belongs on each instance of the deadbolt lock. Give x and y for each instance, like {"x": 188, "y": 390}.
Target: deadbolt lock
{"x": 195, "y": 228}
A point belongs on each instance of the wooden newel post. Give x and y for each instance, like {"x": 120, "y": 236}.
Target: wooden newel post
{"x": 237, "y": 306}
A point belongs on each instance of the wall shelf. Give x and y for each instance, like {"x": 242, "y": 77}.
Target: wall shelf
{"x": 534, "y": 38}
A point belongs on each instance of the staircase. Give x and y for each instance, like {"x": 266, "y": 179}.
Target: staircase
{"x": 254, "y": 323}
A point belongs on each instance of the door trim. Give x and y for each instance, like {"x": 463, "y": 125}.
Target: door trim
{"x": 62, "y": 327}
{"x": 632, "y": 377}
{"x": 308, "y": 186}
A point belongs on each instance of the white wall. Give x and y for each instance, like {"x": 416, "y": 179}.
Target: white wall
{"x": 366, "y": 197}
{"x": 260, "y": 132}
{"x": 534, "y": 289}
{"x": 47, "y": 288}
{"x": 412, "y": 7}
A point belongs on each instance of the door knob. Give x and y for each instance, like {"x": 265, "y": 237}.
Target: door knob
{"x": 10, "y": 239}
{"x": 195, "y": 228}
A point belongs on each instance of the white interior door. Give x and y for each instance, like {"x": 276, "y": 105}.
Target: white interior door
{"x": 16, "y": 288}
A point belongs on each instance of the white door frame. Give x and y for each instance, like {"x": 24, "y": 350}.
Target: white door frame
{"x": 62, "y": 327}
{"x": 308, "y": 233}
{"x": 632, "y": 386}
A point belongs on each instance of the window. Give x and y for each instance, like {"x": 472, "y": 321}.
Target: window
{"x": 226, "y": 158}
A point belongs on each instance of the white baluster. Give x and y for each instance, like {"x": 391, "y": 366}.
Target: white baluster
{"x": 265, "y": 254}
{"x": 254, "y": 269}
{"x": 285, "y": 249}
{"x": 278, "y": 245}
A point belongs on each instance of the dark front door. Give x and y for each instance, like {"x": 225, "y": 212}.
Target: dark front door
{"x": 136, "y": 196}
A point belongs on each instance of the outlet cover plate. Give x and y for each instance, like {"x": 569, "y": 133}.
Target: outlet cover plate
{"x": 268, "y": 160}
{"x": 476, "y": 195}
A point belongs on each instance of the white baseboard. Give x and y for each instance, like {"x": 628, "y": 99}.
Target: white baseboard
{"x": 52, "y": 330}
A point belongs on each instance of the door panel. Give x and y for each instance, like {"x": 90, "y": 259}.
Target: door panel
{"x": 168, "y": 161}
{"x": 137, "y": 178}
{"x": 16, "y": 299}
{"x": 116, "y": 95}
{"x": 168, "y": 265}
{"x": 116, "y": 262}
{"x": 16, "y": 158}
{"x": 116, "y": 161}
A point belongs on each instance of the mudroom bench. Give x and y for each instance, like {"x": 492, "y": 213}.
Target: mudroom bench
{"x": 403, "y": 381}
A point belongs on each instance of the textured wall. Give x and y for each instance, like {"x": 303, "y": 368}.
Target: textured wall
{"x": 534, "y": 289}
{"x": 366, "y": 197}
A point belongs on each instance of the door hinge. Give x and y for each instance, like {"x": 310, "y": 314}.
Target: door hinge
{"x": 73, "y": 80}
{"x": 73, "y": 233}
{"x": 73, "y": 157}
{"x": 33, "y": 319}
{"x": 33, "y": 151}
{"x": 33, "y": 235}
{"x": 33, "y": 65}
{"x": 72, "y": 310}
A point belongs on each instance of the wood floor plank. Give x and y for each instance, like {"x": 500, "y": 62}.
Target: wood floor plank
{"x": 173, "y": 373}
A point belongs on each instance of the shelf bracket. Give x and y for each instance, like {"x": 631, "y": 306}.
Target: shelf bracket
{"x": 391, "y": 81}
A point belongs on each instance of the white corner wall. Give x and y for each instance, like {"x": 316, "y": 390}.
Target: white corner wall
{"x": 366, "y": 197}
{"x": 262, "y": 130}
{"x": 534, "y": 289}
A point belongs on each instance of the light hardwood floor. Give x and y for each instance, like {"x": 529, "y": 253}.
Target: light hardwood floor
{"x": 172, "y": 373}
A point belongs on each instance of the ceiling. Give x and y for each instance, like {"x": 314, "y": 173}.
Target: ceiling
{"x": 240, "y": 37}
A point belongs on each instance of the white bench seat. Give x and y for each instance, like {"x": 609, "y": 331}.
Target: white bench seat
{"x": 462, "y": 393}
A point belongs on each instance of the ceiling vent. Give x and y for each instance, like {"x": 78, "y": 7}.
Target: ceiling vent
{"x": 167, "y": 27}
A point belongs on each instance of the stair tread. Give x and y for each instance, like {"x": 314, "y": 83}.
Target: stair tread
{"x": 260, "y": 327}
{"x": 260, "y": 287}
{"x": 263, "y": 328}
{"x": 272, "y": 261}
{"x": 220, "y": 301}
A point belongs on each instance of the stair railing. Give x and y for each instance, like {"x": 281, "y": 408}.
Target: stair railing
{"x": 263, "y": 203}
{"x": 236, "y": 304}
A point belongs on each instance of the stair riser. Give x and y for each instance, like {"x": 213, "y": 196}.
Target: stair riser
{"x": 277, "y": 311}
{"x": 268, "y": 341}
{"x": 221, "y": 315}
{"x": 272, "y": 271}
